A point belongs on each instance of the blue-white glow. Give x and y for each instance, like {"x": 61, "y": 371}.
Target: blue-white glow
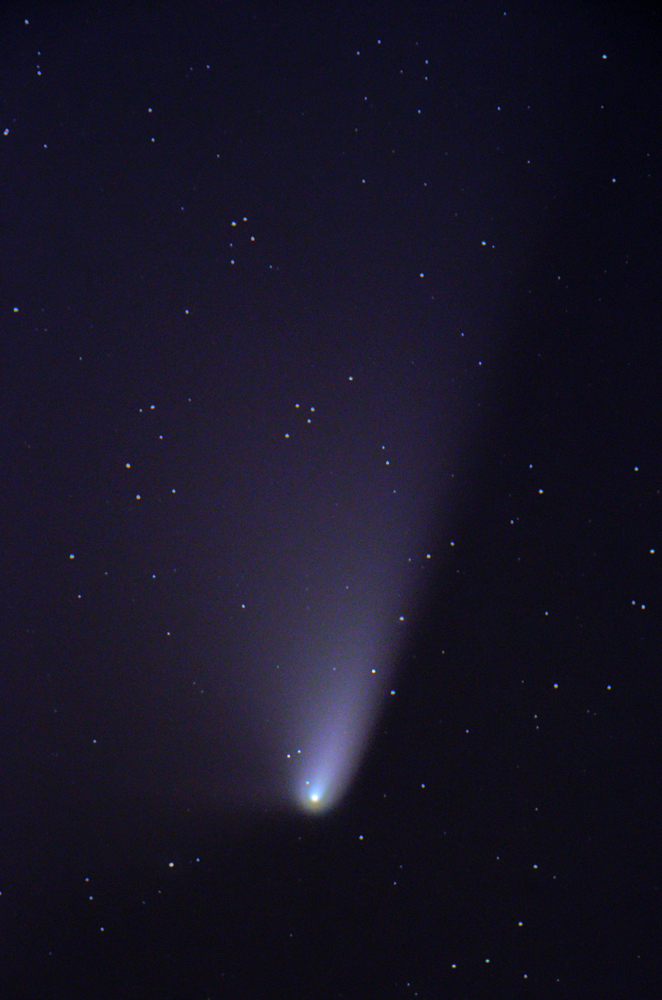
{"x": 333, "y": 746}
{"x": 329, "y": 552}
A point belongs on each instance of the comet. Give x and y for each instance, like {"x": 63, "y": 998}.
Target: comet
{"x": 333, "y": 747}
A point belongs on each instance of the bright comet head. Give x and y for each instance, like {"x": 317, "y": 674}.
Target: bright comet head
{"x": 312, "y": 797}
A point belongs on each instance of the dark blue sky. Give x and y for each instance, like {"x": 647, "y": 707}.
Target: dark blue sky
{"x": 330, "y": 371}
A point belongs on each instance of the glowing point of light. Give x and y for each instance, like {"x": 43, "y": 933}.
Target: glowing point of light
{"x": 314, "y": 799}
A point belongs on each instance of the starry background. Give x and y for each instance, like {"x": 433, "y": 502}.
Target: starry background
{"x": 331, "y": 429}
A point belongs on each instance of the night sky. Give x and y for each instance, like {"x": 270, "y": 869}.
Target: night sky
{"x": 331, "y": 356}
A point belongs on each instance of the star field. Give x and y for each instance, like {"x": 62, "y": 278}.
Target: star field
{"x": 331, "y": 500}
